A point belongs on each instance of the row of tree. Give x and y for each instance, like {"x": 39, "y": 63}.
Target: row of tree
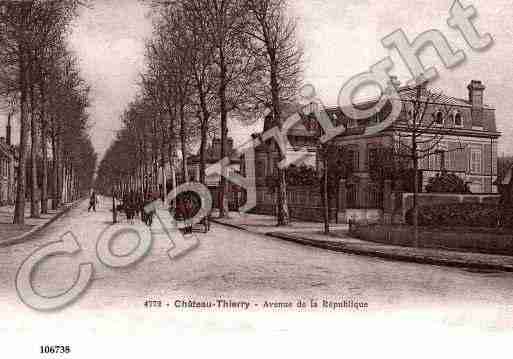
{"x": 207, "y": 61}
{"x": 40, "y": 81}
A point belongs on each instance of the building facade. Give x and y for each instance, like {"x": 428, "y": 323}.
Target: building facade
{"x": 213, "y": 181}
{"x": 461, "y": 138}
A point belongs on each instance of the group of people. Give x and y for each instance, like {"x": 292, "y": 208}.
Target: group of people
{"x": 188, "y": 204}
{"x": 134, "y": 203}
{"x": 185, "y": 207}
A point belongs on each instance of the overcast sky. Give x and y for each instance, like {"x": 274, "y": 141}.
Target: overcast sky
{"x": 341, "y": 38}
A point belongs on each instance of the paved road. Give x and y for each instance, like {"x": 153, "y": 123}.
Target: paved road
{"x": 235, "y": 265}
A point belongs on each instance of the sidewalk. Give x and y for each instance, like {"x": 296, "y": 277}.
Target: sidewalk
{"x": 13, "y": 233}
{"x": 263, "y": 224}
{"x": 311, "y": 234}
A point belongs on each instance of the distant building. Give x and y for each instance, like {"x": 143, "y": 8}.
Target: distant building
{"x": 212, "y": 156}
{"x": 7, "y": 173}
{"x": 303, "y": 139}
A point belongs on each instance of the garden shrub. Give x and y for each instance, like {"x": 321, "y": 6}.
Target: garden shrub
{"x": 458, "y": 214}
{"x": 447, "y": 183}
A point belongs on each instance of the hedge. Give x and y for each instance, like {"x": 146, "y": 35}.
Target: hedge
{"x": 462, "y": 214}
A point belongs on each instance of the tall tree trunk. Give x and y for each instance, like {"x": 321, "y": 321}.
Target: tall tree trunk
{"x": 202, "y": 151}
{"x": 71, "y": 197}
{"x": 64, "y": 184}
{"x": 204, "y": 118}
{"x": 154, "y": 168}
{"x": 55, "y": 170}
{"x": 172, "y": 148}
{"x": 283, "y": 208}
{"x": 223, "y": 205}
{"x": 19, "y": 209}
{"x": 183, "y": 143}
{"x": 415, "y": 156}
{"x": 144, "y": 164}
{"x": 44, "y": 144}
{"x": 171, "y": 154}
{"x": 77, "y": 187}
{"x": 60, "y": 172}
{"x": 163, "y": 166}
{"x": 34, "y": 195}
{"x": 163, "y": 160}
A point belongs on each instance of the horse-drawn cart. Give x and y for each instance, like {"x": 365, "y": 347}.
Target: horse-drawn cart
{"x": 188, "y": 204}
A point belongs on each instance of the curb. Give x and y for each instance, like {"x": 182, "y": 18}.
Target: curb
{"x": 343, "y": 248}
{"x": 230, "y": 225}
{"x": 25, "y": 237}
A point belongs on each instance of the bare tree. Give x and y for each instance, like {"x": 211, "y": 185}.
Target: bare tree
{"x": 15, "y": 46}
{"x": 420, "y": 136}
{"x": 28, "y": 27}
{"x": 200, "y": 62}
{"x": 204, "y": 83}
{"x": 221, "y": 23}
{"x": 275, "y": 41}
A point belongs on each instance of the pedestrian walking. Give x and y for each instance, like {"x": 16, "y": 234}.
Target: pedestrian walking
{"x": 188, "y": 211}
{"x": 148, "y": 216}
{"x": 131, "y": 207}
{"x": 92, "y": 201}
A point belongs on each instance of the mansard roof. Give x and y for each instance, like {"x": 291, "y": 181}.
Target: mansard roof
{"x": 409, "y": 94}
{"x": 481, "y": 117}
{"x": 475, "y": 117}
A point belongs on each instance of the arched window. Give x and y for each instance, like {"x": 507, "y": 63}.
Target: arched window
{"x": 439, "y": 118}
{"x": 458, "y": 120}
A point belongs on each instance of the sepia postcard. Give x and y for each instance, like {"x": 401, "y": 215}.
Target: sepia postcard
{"x": 256, "y": 178}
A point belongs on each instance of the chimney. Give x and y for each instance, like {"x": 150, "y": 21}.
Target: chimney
{"x": 475, "y": 93}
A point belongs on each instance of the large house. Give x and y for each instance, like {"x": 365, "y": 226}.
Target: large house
{"x": 465, "y": 132}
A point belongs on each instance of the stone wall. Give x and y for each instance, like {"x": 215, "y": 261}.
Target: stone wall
{"x": 475, "y": 240}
